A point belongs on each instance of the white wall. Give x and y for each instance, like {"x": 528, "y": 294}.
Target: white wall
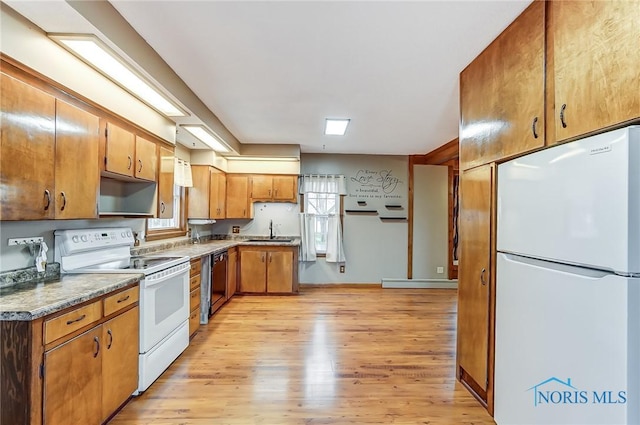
{"x": 430, "y": 226}
{"x": 374, "y": 249}
{"x": 285, "y": 218}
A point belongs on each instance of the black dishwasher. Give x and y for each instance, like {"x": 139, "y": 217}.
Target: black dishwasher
{"x": 218, "y": 281}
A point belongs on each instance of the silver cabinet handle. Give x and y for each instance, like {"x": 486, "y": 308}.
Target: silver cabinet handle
{"x": 76, "y": 320}
{"x": 482, "y": 276}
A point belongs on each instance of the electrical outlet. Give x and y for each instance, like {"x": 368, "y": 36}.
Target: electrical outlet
{"x": 440, "y": 270}
{"x": 235, "y": 229}
{"x": 341, "y": 269}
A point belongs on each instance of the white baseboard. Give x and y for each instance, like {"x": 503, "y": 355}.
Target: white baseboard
{"x": 420, "y": 283}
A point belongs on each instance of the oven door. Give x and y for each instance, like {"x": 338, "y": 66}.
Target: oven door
{"x": 164, "y": 304}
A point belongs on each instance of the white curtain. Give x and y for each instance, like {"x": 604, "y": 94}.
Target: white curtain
{"x": 322, "y": 183}
{"x": 307, "y": 236}
{"x": 335, "y": 247}
{"x": 182, "y": 173}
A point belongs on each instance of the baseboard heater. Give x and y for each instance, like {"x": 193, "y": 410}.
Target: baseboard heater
{"x": 420, "y": 283}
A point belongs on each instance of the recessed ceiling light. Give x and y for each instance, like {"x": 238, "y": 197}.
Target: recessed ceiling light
{"x": 335, "y": 127}
{"x": 100, "y": 57}
{"x": 206, "y": 137}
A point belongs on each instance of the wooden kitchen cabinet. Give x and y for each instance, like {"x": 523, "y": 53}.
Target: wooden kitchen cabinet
{"x": 120, "y": 150}
{"x": 195, "y": 276}
{"x": 232, "y": 272}
{"x": 72, "y": 381}
{"x": 593, "y": 77}
{"x": 43, "y": 155}
{"x": 269, "y": 188}
{"x": 475, "y": 281}
{"x": 268, "y": 269}
{"x": 165, "y": 182}
{"x": 207, "y": 197}
{"x": 120, "y": 343}
{"x": 146, "y": 161}
{"x": 75, "y": 366}
{"x": 502, "y": 94}
{"x": 238, "y": 201}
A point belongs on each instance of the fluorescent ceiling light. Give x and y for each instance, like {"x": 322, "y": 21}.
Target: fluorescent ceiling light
{"x": 336, "y": 127}
{"x": 199, "y": 132}
{"x": 107, "y": 62}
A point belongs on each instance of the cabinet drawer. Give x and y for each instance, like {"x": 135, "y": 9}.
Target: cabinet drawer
{"x": 195, "y": 282}
{"x": 194, "y": 299}
{"x": 196, "y": 265}
{"x": 194, "y": 321}
{"x": 72, "y": 321}
{"x": 120, "y": 300}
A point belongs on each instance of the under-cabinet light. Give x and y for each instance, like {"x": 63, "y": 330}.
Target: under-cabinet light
{"x": 104, "y": 60}
{"x": 336, "y": 127}
{"x": 207, "y": 137}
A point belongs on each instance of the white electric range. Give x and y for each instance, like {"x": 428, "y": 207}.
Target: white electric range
{"x": 164, "y": 290}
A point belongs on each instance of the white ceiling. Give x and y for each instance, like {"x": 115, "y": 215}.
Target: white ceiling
{"x": 273, "y": 71}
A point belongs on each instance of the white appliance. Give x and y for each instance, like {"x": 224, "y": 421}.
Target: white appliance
{"x": 164, "y": 290}
{"x": 567, "y": 336}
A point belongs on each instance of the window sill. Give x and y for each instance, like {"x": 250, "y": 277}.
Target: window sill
{"x": 164, "y": 234}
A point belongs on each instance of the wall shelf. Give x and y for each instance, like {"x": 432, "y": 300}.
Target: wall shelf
{"x": 362, "y": 212}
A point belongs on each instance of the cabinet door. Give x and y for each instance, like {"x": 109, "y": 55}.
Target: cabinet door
{"x": 502, "y": 94}
{"x": 27, "y": 149}
{"x": 253, "y": 271}
{"x": 261, "y": 187}
{"x": 596, "y": 62}
{"x": 146, "y": 159}
{"x": 280, "y": 271}
{"x": 285, "y": 188}
{"x": 232, "y": 273}
{"x": 165, "y": 183}
{"x": 199, "y": 193}
{"x": 120, "y": 340}
{"x": 77, "y": 138}
{"x": 237, "y": 196}
{"x": 72, "y": 383}
{"x": 222, "y": 195}
{"x": 474, "y": 279}
{"x": 217, "y": 189}
{"x": 120, "y": 150}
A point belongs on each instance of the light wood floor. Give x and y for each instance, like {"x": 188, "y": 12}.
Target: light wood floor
{"x": 326, "y": 356}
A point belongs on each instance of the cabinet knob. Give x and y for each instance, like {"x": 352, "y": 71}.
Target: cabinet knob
{"x": 533, "y": 127}
{"x": 562, "y": 121}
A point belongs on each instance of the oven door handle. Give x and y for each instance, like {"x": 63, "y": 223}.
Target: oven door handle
{"x": 151, "y": 280}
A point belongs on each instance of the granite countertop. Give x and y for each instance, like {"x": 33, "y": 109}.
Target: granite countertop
{"x": 32, "y": 300}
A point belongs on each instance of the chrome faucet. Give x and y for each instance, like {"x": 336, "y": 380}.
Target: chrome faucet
{"x": 271, "y": 234}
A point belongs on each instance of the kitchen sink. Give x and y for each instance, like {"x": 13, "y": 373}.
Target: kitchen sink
{"x": 271, "y": 240}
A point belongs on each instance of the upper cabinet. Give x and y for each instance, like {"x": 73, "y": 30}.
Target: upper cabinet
{"x": 502, "y": 93}
{"x": 594, "y": 76}
{"x": 45, "y": 145}
{"x": 129, "y": 155}
{"x": 270, "y": 188}
{"x": 238, "y": 205}
{"x": 165, "y": 182}
{"x": 207, "y": 197}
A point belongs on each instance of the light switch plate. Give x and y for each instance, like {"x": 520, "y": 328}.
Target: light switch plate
{"x": 440, "y": 270}
{"x": 235, "y": 229}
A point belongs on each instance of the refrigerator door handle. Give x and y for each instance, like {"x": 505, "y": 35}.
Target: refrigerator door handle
{"x": 565, "y": 268}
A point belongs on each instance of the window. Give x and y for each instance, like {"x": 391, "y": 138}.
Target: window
{"x": 321, "y": 205}
{"x": 159, "y": 228}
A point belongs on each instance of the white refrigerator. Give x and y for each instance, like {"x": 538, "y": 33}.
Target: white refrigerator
{"x": 567, "y": 326}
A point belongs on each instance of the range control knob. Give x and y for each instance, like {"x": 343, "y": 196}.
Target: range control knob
{"x": 128, "y": 234}
{"x": 123, "y": 234}
{"x": 84, "y": 238}
{"x": 75, "y": 239}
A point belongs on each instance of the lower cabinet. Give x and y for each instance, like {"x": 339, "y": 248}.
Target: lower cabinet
{"x": 195, "y": 274}
{"x": 268, "y": 269}
{"x": 232, "y": 272}
{"x": 77, "y": 366}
